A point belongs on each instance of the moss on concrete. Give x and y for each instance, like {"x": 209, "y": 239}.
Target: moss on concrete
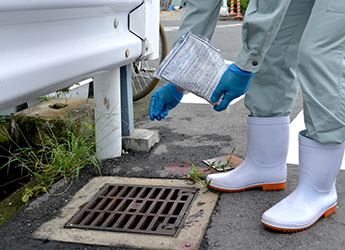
{"x": 3, "y": 137}
{"x": 13, "y": 204}
{"x": 52, "y": 117}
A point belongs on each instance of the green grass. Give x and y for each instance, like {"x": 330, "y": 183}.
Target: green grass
{"x": 55, "y": 159}
{"x": 196, "y": 175}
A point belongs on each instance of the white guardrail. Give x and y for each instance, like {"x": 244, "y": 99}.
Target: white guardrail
{"x": 46, "y": 45}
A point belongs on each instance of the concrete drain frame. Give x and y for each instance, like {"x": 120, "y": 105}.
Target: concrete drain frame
{"x": 163, "y": 192}
{"x": 136, "y": 209}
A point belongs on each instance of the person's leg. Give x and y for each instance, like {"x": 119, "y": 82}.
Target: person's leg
{"x": 265, "y": 163}
{"x": 200, "y": 17}
{"x": 321, "y": 73}
{"x": 274, "y": 87}
{"x": 270, "y": 99}
{"x": 316, "y": 194}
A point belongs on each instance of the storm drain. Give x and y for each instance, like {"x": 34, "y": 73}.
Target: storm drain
{"x": 137, "y": 209}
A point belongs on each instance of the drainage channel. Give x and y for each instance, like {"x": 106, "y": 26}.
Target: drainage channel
{"x": 136, "y": 209}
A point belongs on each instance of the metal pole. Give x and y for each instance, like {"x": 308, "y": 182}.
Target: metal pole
{"x": 107, "y": 94}
{"x": 126, "y": 101}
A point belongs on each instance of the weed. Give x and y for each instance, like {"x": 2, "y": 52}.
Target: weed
{"x": 44, "y": 98}
{"x": 32, "y": 192}
{"x": 222, "y": 166}
{"x": 195, "y": 176}
{"x": 5, "y": 118}
{"x": 55, "y": 159}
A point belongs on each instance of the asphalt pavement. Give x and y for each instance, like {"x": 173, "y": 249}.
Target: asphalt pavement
{"x": 191, "y": 133}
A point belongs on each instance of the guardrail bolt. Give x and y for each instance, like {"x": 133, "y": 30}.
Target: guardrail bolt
{"x": 127, "y": 53}
{"x": 116, "y": 23}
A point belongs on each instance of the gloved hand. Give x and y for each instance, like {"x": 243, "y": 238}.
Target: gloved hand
{"x": 234, "y": 83}
{"x": 164, "y": 100}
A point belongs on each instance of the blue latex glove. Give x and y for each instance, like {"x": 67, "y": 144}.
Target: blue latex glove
{"x": 234, "y": 83}
{"x": 164, "y": 100}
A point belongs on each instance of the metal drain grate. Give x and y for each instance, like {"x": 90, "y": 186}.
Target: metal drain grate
{"x": 138, "y": 209}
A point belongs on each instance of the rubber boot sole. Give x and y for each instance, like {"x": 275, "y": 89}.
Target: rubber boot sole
{"x": 290, "y": 230}
{"x": 265, "y": 187}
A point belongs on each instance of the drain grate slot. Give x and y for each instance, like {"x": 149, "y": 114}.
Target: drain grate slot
{"x": 136, "y": 209}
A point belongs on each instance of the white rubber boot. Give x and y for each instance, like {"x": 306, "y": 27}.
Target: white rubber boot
{"x": 265, "y": 163}
{"x": 315, "y": 195}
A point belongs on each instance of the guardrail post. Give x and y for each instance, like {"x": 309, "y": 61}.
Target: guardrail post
{"x": 107, "y": 96}
{"x": 127, "y": 101}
